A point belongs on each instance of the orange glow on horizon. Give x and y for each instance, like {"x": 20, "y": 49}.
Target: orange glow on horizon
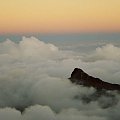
{"x": 50, "y": 16}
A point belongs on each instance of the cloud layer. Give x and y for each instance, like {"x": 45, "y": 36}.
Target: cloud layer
{"x": 107, "y": 52}
{"x": 33, "y": 78}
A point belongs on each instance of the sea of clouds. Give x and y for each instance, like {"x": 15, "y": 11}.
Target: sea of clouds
{"x": 33, "y": 79}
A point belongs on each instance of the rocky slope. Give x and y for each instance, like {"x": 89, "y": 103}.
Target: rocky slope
{"x": 78, "y": 76}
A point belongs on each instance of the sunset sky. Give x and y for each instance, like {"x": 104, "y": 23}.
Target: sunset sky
{"x": 59, "y": 16}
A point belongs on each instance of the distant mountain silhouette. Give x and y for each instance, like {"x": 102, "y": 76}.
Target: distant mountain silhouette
{"x": 78, "y": 76}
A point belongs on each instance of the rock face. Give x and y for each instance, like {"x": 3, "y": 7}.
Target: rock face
{"x": 78, "y": 76}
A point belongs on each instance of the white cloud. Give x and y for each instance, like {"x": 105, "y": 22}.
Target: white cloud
{"x": 107, "y": 52}
{"x": 34, "y": 74}
{"x": 9, "y": 114}
{"x": 38, "y": 112}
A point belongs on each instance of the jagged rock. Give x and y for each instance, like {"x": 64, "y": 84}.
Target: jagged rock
{"x": 78, "y": 76}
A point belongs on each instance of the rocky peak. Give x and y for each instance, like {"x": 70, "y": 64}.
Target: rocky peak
{"x": 78, "y": 76}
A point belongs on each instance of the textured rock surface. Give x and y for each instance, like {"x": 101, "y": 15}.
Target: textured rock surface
{"x": 78, "y": 76}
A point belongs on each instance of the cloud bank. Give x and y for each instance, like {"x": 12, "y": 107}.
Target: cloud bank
{"x": 108, "y": 52}
{"x": 33, "y": 78}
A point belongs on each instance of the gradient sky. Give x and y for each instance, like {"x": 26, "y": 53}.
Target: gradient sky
{"x": 59, "y": 16}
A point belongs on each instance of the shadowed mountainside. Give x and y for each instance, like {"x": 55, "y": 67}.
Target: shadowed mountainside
{"x": 78, "y": 76}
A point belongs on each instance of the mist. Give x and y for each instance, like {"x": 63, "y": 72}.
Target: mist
{"x": 34, "y": 78}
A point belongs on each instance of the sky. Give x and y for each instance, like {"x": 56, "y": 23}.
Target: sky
{"x": 59, "y": 16}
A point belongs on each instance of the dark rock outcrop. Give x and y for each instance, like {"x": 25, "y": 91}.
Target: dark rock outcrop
{"x": 78, "y": 76}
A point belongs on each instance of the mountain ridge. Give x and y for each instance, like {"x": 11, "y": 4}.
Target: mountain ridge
{"x": 80, "y": 77}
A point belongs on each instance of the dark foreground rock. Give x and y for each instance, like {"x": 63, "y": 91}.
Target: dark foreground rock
{"x": 78, "y": 76}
